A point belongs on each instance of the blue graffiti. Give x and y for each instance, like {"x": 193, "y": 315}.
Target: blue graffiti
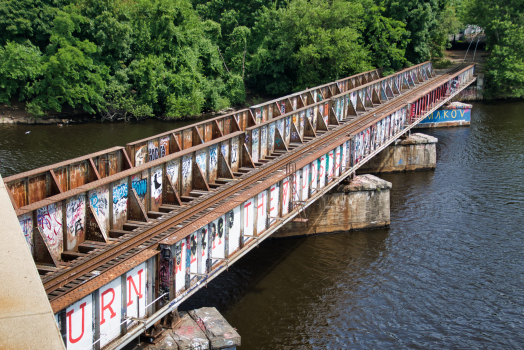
{"x": 119, "y": 192}
{"x": 140, "y": 186}
{"x": 94, "y": 202}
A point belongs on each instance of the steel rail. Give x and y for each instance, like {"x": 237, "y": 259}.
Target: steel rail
{"x": 67, "y": 275}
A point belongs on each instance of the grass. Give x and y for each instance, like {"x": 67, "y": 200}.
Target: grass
{"x": 442, "y": 63}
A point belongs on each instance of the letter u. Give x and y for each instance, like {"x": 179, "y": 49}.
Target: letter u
{"x": 68, "y": 315}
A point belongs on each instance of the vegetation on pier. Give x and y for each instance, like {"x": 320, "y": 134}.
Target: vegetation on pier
{"x": 175, "y": 58}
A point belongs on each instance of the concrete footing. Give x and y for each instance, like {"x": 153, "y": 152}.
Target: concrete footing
{"x": 361, "y": 204}
{"x": 416, "y": 152}
{"x": 203, "y": 329}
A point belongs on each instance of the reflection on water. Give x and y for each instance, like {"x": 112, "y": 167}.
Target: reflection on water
{"x": 48, "y": 144}
{"x": 448, "y": 274}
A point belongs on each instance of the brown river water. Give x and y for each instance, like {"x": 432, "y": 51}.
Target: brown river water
{"x": 447, "y": 274}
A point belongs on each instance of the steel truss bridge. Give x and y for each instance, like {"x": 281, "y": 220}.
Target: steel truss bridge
{"x": 121, "y": 237}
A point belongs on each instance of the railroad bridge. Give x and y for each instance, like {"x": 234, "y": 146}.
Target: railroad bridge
{"x": 121, "y": 237}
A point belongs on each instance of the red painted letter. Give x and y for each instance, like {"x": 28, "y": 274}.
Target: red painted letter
{"x": 261, "y": 205}
{"x": 108, "y": 306}
{"x": 68, "y": 315}
{"x": 247, "y": 216}
{"x": 271, "y": 199}
{"x": 137, "y": 292}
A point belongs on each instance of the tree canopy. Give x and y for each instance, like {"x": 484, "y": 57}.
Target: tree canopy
{"x": 503, "y": 25}
{"x": 176, "y": 58}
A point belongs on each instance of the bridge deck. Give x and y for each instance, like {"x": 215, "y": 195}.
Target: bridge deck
{"x": 230, "y": 189}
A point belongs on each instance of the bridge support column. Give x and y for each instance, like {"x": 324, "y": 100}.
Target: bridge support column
{"x": 363, "y": 203}
{"x": 416, "y": 152}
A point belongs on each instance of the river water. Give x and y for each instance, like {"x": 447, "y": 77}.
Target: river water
{"x": 447, "y": 274}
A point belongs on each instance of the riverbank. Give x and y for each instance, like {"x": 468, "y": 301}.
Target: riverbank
{"x": 16, "y": 113}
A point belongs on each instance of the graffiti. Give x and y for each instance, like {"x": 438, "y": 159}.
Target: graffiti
{"x": 164, "y": 274}
{"x": 230, "y": 219}
{"x": 203, "y": 239}
{"x": 164, "y": 147}
{"x": 153, "y": 151}
{"x": 186, "y": 173}
{"x": 120, "y": 201}
{"x": 49, "y": 219}
{"x": 220, "y": 230}
{"x": 302, "y": 121}
{"x": 140, "y": 156}
{"x": 213, "y": 157}
{"x": 271, "y": 136}
{"x": 279, "y": 141}
{"x": 201, "y": 160}
{"x": 178, "y": 256}
{"x": 140, "y": 186}
{"x": 280, "y": 126}
{"x": 254, "y": 147}
{"x": 282, "y": 108}
{"x": 99, "y": 200}
{"x": 213, "y": 234}
{"x": 246, "y": 141}
{"x": 26, "y": 223}
{"x": 75, "y": 216}
{"x": 119, "y": 192}
{"x": 193, "y": 246}
{"x": 234, "y": 152}
{"x": 263, "y": 141}
{"x": 156, "y": 184}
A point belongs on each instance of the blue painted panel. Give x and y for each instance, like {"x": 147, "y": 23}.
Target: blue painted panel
{"x": 448, "y": 115}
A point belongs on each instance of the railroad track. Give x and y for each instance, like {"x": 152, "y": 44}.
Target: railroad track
{"x": 61, "y": 282}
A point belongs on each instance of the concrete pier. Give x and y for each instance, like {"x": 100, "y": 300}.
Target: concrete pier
{"x": 202, "y": 329}
{"x": 416, "y": 152}
{"x": 361, "y": 204}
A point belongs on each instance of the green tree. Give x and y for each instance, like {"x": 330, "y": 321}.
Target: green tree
{"x": 20, "y": 65}
{"x": 69, "y": 73}
{"x": 420, "y": 17}
{"x": 503, "y": 23}
{"x": 385, "y": 38}
{"x": 305, "y": 44}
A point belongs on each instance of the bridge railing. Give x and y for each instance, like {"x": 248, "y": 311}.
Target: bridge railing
{"x": 193, "y": 255}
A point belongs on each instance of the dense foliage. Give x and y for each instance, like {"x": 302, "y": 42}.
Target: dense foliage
{"x": 176, "y": 58}
{"x": 503, "y": 25}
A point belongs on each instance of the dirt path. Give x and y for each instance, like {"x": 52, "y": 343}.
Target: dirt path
{"x": 457, "y": 56}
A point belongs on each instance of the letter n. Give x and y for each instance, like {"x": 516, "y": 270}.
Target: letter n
{"x": 138, "y": 291}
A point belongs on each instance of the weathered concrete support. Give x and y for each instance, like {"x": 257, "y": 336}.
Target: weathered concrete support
{"x": 203, "y": 329}
{"x": 361, "y": 204}
{"x": 475, "y": 92}
{"x": 416, "y": 152}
